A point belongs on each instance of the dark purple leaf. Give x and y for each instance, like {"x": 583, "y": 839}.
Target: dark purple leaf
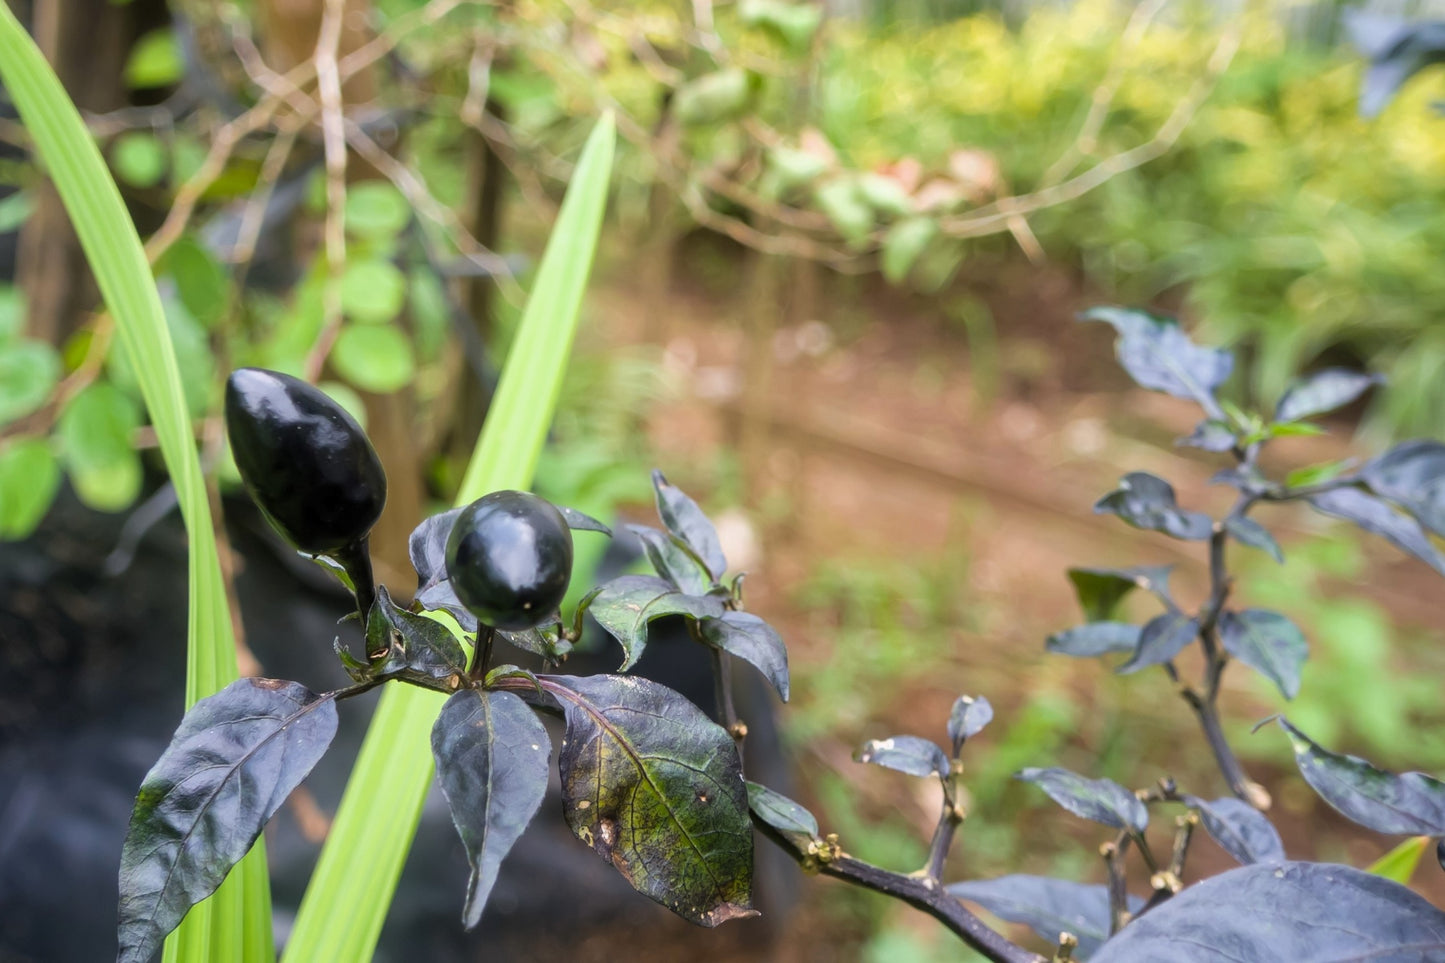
{"x": 1412, "y": 804}
{"x": 235, "y": 758}
{"x": 1318, "y": 912}
{"x": 1247, "y": 531}
{"x": 1240, "y": 830}
{"x": 580, "y": 522}
{"x": 1094, "y": 638}
{"x": 673, "y": 561}
{"x": 780, "y": 812}
{"x": 684, "y": 519}
{"x": 1102, "y": 800}
{"x": 1162, "y": 638}
{"x": 441, "y": 597}
{"x": 1159, "y": 356}
{"x": 967, "y": 719}
{"x": 655, "y": 787}
{"x": 1268, "y": 643}
{"x": 416, "y": 648}
{"x": 544, "y": 640}
{"x": 907, "y": 754}
{"x": 1397, "y": 49}
{"x": 1374, "y": 515}
{"x": 491, "y": 755}
{"x": 1046, "y": 906}
{"x": 1323, "y": 391}
{"x": 1211, "y": 435}
{"x": 1412, "y": 475}
{"x": 754, "y": 641}
{"x": 428, "y": 548}
{"x": 1147, "y": 501}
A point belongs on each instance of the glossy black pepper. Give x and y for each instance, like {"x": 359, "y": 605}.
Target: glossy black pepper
{"x": 509, "y": 558}
{"x": 309, "y": 467}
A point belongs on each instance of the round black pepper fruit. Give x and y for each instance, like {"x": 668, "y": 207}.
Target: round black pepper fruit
{"x": 509, "y": 558}
{"x": 308, "y": 466}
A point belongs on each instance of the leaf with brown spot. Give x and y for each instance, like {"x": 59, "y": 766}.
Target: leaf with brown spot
{"x": 655, "y": 787}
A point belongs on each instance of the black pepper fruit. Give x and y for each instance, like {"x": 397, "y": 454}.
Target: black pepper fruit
{"x": 509, "y": 558}
{"x": 309, "y": 467}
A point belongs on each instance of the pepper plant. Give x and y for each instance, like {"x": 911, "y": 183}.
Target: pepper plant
{"x": 657, "y": 788}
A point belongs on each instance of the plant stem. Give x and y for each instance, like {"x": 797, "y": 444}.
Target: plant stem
{"x": 921, "y": 893}
{"x": 942, "y": 839}
{"x": 1113, "y": 854}
{"x": 1234, "y": 774}
{"x": 482, "y": 654}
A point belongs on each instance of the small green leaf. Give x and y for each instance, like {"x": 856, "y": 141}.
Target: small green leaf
{"x": 374, "y": 357}
{"x": 29, "y": 371}
{"x": 792, "y": 23}
{"x": 139, "y": 158}
{"x": 713, "y": 98}
{"x": 1100, "y": 590}
{"x": 155, "y": 61}
{"x": 792, "y": 167}
{"x": 12, "y": 312}
{"x": 29, "y": 478}
{"x": 202, "y": 283}
{"x": 1399, "y": 863}
{"x": 904, "y": 243}
{"x": 1315, "y": 474}
{"x": 15, "y": 210}
{"x": 376, "y": 210}
{"x": 885, "y": 195}
{"x": 372, "y": 292}
{"x": 843, "y": 203}
{"x": 95, "y": 437}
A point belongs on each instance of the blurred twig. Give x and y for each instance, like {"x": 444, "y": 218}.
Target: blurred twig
{"x": 333, "y": 131}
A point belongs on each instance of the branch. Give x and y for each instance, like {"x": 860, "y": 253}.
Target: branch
{"x": 919, "y": 892}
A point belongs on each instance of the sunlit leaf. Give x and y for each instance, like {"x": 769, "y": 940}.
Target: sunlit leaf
{"x": 29, "y": 478}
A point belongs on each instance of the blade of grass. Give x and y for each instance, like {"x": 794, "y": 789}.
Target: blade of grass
{"x": 357, "y": 873}
{"x": 1399, "y": 863}
{"x": 213, "y": 930}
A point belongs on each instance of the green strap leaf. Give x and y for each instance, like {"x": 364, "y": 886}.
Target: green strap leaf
{"x": 240, "y": 922}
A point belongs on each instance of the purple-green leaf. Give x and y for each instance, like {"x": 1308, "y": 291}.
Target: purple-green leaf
{"x": 685, "y": 520}
{"x": 1046, "y": 906}
{"x": 780, "y": 812}
{"x": 1210, "y": 435}
{"x": 1247, "y": 531}
{"x": 1159, "y": 356}
{"x": 1147, "y": 501}
{"x": 1411, "y": 804}
{"x": 1162, "y": 638}
{"x": 1102, "y": 800}
{"x": 1412, "y": 475}
{"x": 233, "y": 761}
{"x": 1268, "y": 643}
{"x": 673, "y": 560}
{"x": 906, "y": 754}
{"x": 967, "y": 719}
{"x": 417, "y": 648}
{"x": 1374, "y": 515}
{"x": 1318, "y": 912}
{"x": 655, "y": 787}
{"x": 491, "y": 755}
{"x": 754, "y": 641}
{"x": 626, "y": 605}
{"x": 1240, "y": 830}
{"x": 1323, "y": 391}
{"x": 580, "y": 522}
{"x": 1094, "y": 638}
